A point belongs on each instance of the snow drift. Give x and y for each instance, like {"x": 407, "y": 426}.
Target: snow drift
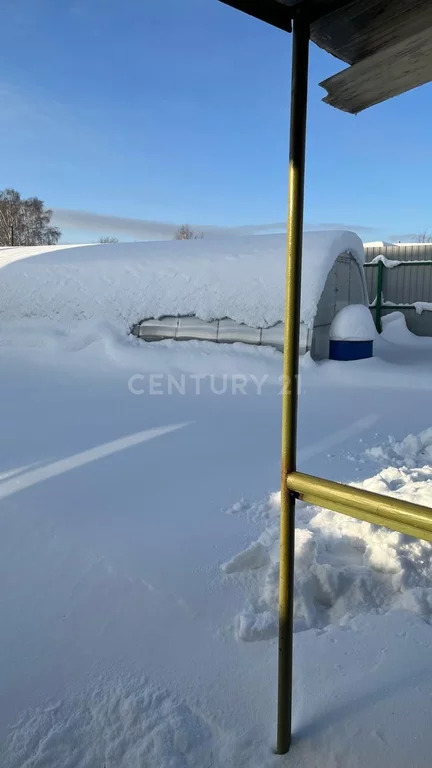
{"x": 343, "y": 567}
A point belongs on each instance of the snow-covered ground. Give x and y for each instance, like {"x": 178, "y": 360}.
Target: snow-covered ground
{"x": 139, "y": 554}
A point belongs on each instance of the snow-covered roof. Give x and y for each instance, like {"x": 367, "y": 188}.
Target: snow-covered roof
{"x": 416, "y": 245}
{"x": 8, "y": 255}
{"x": 239, "y": 277}
{"x": 378, "y": 244}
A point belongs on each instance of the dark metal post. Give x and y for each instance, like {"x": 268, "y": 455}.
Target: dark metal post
{"x": 380, "y": 276}
{"x": 300, "y": 60}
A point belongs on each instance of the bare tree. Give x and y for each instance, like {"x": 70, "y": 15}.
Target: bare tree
{"x": 423, "y": 237}
{"x": 25, "y": 221}
{"x": 108, "y": 239}
{"x": 186, "y": 233}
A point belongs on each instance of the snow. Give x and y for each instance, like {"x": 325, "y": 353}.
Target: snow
{"x": 115, "y": 722}
{"x": 413, "y": 450}
{"x": 385, "y": 660}
{"x": 344, "y": 567}
{"x": 124, "y": 283}
{"x": 395, "y": 330}
{"x": 139, "y": 551}
{"x": 389, "y": 263}
{"x": 422, "y": 306}
{"x": 421, "y": 245}
{"x": 9, "y": 255}
{"x": 419, "y": 306}
{"x": 353, "y": 323}
{"x": 378, "y": 244}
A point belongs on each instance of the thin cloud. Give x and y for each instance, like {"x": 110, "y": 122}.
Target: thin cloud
{"x": 149, "y": 229}
{"x": 144, "y": 229}
{"x": 101, "y": 224}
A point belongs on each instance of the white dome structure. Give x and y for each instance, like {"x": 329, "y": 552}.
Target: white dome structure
{"x": 223, "y": 289}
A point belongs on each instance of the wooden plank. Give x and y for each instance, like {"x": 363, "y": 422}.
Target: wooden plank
{"x": 362, "y": 27}
{"x": 385, "y": 74}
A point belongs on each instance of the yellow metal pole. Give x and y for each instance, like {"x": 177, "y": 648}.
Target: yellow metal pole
{"x": 300, "y": 59}
{"x": 397, "y": 514}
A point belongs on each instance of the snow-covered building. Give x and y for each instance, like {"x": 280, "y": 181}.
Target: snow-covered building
{"x": 246, "y": 292}
{"x": 219, "y": 289}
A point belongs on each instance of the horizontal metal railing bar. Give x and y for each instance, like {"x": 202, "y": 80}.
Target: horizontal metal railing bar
{"x": 397, "y": 306}
{"x": 397, "y": 514}
{"x": 418, "y": 263}
{"x": 350, "y": 511}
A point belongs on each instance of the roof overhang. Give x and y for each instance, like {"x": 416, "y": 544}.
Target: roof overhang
{"x": 387, "y": 43}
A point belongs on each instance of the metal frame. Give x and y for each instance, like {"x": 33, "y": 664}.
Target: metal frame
{"x": 395, "y": 34}
{"x": 299, "y": 83}
{"x": 381, "y": 266}
{"x": 393, "y": 513}
{"x": 379, "y": 297}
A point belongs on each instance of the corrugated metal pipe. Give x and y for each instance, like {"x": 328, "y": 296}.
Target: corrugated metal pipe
{"x": 224, "y": 331}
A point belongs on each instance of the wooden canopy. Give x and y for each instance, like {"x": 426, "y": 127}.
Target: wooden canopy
{"x": 387, "y": 43}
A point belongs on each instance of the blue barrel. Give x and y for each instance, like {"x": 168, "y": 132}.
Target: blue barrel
{"x": 350, "y": 350}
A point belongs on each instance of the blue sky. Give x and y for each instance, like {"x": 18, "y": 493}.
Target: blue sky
{"x": 129, "y": 117}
